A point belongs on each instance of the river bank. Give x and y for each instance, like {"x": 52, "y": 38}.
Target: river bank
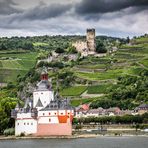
{"x": 75, "y": 136}
{"x": 90, "y": 132}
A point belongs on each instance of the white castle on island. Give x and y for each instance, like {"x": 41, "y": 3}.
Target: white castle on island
{"x": 45, "y": 115}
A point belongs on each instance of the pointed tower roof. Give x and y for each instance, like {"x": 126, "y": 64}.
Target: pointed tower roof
{"x": 39, "y": 103}
{"x": 28, "y": 103}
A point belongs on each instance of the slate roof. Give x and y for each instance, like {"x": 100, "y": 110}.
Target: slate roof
{"x": 57, "y": 105}
{"x": 143, "y": 106}
{"x": 43, "y": 85}
{"x": 95, "y": 111}
{"x": 39, "y": 103}
{"x": 28, "y": 103}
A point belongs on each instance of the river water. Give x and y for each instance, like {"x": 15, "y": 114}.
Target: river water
{"x": 99, "y": 142}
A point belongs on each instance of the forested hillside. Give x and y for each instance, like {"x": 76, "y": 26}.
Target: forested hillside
{"x": 118, "y": 79}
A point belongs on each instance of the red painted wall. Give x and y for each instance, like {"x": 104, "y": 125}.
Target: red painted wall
{"x": 62, "y": 129}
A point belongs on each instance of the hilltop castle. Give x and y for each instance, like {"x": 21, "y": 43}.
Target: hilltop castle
{"x": 87, "y": 47}
{"x": 44, "y": 115}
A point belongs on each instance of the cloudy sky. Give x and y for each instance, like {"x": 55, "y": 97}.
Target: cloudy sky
{"x": 53, "y": 17}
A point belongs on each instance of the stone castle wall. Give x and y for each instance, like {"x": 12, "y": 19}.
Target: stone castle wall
{"x": 91, "y": 43}
{"x": 86, "y": 46}
{"x": 80, "y": 45}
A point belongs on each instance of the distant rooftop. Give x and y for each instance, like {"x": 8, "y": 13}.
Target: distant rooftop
{"x": 143, "y": 106}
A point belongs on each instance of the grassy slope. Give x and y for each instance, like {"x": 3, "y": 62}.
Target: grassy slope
{"x": 13, "y": 64}
{"x": 73, "y": 91}
{"x": 98, "y": 89}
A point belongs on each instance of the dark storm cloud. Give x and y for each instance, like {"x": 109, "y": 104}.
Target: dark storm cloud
{"x": 42, "y": 12}
{"x": 7, "y": 7}
{"x": 37, "y": 14}
{"x": 29, "y": 17}
{"x": 104, "y": 6}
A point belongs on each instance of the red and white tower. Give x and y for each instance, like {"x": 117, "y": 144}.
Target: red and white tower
{"x": 43, "y": 93}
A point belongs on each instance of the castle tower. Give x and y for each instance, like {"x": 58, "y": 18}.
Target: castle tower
{"x": 43, "y": 94}
{"x": 91, "y": 43}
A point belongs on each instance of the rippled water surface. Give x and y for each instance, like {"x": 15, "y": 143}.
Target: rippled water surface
{"x": 100, "y": 142}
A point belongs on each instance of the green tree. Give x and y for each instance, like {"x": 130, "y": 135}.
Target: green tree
{"x": 100, "y": 47}
{"x": 59, "y": 50}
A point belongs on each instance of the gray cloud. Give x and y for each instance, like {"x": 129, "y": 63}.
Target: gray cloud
{"x": 111, "y": 17}
{"x": 42, "y": 12}
{"x": 104, "y": 6}
{"x": 8, "y": 7}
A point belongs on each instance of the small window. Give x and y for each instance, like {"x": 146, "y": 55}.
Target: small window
{"x": 43, "y": 114}
{"x": 41, "y": 93}
{"x": 27, "y": 123}
{"x": 55, "y": 113}
{"x": 49, "y": 113}
{"x": 61, "y": 113}
{"x": 31, "y": 123}
{"x": 24, "y": 123}
{"x": 68, "y": 113}
{"x": 17, "y": 123}
{"x": 49, "y": 120}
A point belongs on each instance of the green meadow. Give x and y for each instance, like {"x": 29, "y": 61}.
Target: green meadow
{"x": 73, "y": 91}
{"x": 13, "y": 64}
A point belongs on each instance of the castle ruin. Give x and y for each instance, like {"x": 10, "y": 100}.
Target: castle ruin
{"x": 87, "y": 47}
